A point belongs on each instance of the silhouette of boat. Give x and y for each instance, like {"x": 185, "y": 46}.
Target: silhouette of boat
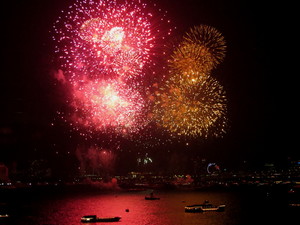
{"x": 151, "y": 198}
{"x": 206, "y": 206}
{"x": 294, "y": 204}
{"x": 4, "y": 216}
{"x": 94, "y": 219}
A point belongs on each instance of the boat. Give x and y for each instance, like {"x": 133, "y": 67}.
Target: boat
{"x": 205, "y": 207}
{"x": 94, "y": 219}
{"x": 294, "y": 204}
{"x": 4, "y": 215}
{"x": 136, "y": 189}
{"x": 151, "y": 198}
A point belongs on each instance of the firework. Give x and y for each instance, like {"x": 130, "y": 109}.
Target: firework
{"x": 200, "y": 51}
{"x": 105, "y": 38}
{"x": 102, "y": 47}
{"x": 93, "y": 36}
{"x": 192, "y": 110}
{"x": 107, "y": 106}
{"x": 192, "y": 60}
{"x": 191, "y": 102}
{"x": 212, "y": 42}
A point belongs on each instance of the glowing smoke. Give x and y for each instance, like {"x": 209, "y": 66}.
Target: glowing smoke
{"x": 95, "y": 161}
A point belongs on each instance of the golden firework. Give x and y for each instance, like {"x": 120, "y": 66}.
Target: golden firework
{"x": 192, "y": 110}
{"x": 201, "y": 50}
{"x": 192, "y": 58}
{"x": 210, "y": 39}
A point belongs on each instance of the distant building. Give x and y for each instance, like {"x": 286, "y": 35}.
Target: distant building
{"x": 294, "y": 166}
{"x": 3, "y": 172}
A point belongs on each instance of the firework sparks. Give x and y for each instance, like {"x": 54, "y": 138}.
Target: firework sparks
{"x": 201, "y": 50}
{"x": 212, "y": 42}
{"x": 193, "y": 60}
{"x": 105, "y": 38}
{"x": 194, "y": 110}
{"x": 106, "y": 105}
{"x": 104, "y": 46}
{"x": 191, "y": 102}
{"x": 101, "y": 47}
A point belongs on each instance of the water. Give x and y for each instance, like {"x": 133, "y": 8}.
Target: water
{"x": 48, "y": 207}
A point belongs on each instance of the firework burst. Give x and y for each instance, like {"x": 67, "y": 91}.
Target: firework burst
{"x": 191, "y": 102}
{"x": 193, "y": 110}
{"x": 191, "y": 59}
{"x": 102, "y": 47}
{"x": 105, "y": 38}
{"x": 212, "y": 43}
{"x": 201, "y": 50}
{"x": 108, "y": 106}
{"x": 105, "y": 49}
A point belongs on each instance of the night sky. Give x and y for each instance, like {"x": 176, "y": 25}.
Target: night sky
{"x": 30, "y": 96}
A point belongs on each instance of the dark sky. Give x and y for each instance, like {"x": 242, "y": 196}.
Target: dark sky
{"x": 30, "y": 99}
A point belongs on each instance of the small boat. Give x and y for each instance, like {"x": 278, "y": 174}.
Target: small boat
{"x": 294, "y": 204}
{"x": 4, "y": 215}
{"x": 151, "y": 198}
{"x": 206, "y": 206}
{"x": 94, "y": 219}
{"x": 136, "y": 189}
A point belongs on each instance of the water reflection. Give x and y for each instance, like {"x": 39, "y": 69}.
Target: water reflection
{"x": 241, "y": 208}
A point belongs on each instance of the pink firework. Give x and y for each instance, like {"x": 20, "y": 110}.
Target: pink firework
{"x": 105, "y": 38}
{"x": 104, "y": 49}
{"x": 107, "y": 105}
